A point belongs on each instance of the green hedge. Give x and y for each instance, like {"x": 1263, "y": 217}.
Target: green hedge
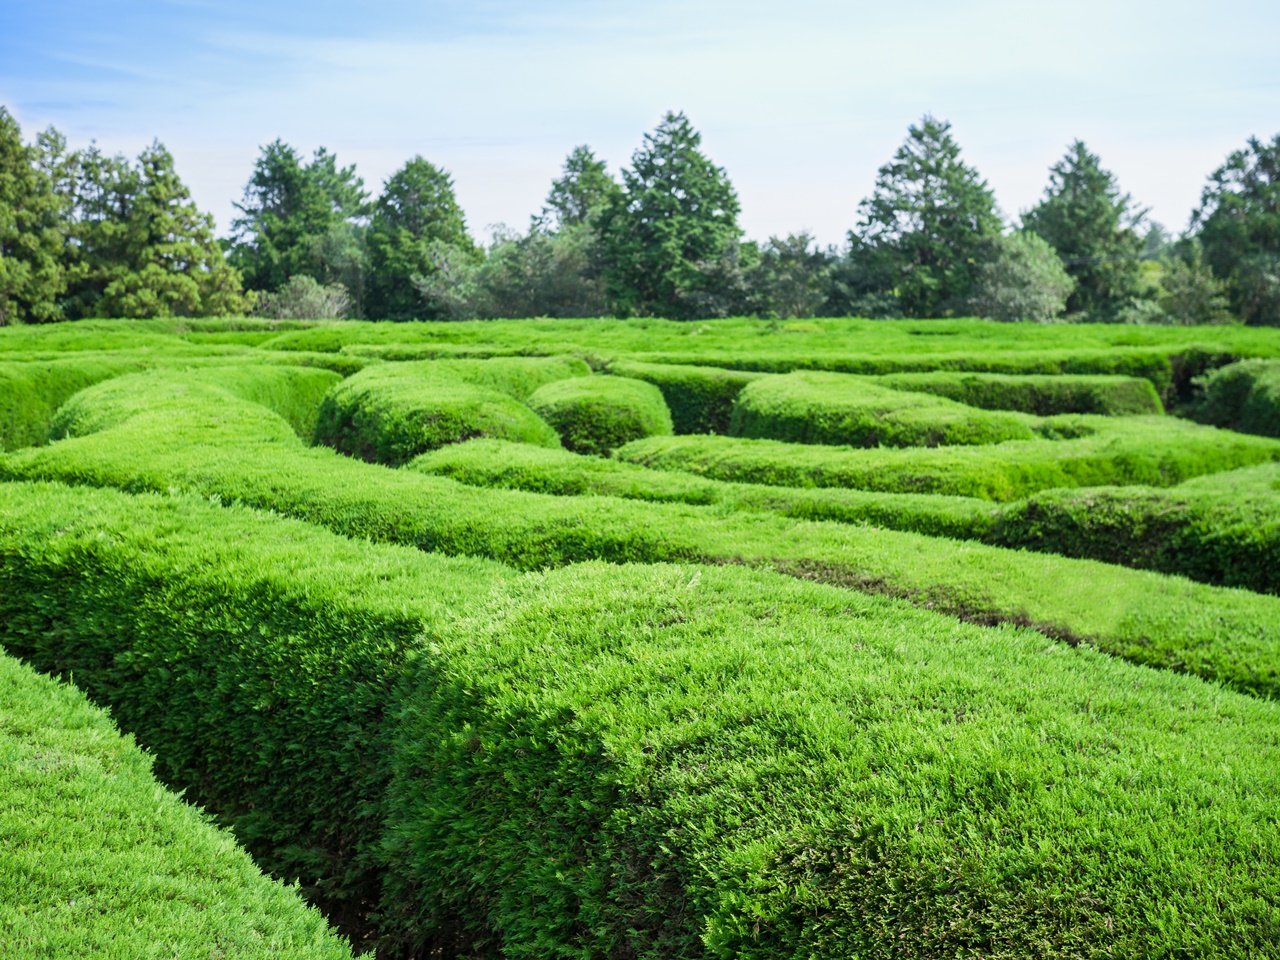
{"x": 1224, "y": 635}
{"x": 518, "y": 377}
{"x": 1038, "y": 394}
{"x": 1243, "y": 396}
{"x": 659, "y": 761}
{"x": 294, "y": 394}
{"x": 31, "y": 392}
{"x": 670, "y": 762}
{"x": 392, "y": 412}
{"x": 99, "y": 860}
{"x": 1132, "y": 450}
{"x": 519, "y": 466}
{"x": 832, "y": 408}
{"x": 253, "y": 656}
{"x": 700, "y": 398}
{"x": 597, "y": 414}
{"x": 1225, "y": 536}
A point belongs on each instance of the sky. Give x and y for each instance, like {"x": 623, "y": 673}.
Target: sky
{"x": 801, "y": 102}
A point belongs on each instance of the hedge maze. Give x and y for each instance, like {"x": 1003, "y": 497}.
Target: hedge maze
{"x": 638, "y": 639}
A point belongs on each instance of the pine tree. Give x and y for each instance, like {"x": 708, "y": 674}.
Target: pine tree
{"x": 1094, "y": 229}
{"x": 1238, "y": 225}
{"x": 142, "y": 248}
{"x": 32, "y": 230}
{"x": 927, "y": 228}
{"x": 671, "y": 236}
{"x": 300, "y": 219}
{"x": 583, "y": 189}
{"x": 417, "y": 231}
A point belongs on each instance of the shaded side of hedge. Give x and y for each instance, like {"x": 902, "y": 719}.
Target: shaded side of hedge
{"x": 101, "y": 860}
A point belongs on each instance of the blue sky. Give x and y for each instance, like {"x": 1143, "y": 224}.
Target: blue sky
{"x": 800, "y": 101}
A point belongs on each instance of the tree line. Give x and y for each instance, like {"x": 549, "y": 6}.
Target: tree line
{"x": 83, "y": 234}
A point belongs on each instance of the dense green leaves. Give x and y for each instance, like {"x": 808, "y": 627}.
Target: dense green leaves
{"x": 32, "y": 262}
{"x": 927, "y": 228}
{"x": 300, "y": 218}
{"x": 101, "y": 861}
{"x": 671, "y": 236}
{"x": 416, "y": 232}
{"x": 1238, "y": 223}
{"x": 1092, "y": 226}
{"x": 1022, "y": 280}
{"x": 595, "y": 415}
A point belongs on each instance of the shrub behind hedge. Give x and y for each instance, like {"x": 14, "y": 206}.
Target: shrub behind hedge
{"x": 390, "y": 413}
{"x": 700, "y": 398}
{"x": 1243, "y": 396}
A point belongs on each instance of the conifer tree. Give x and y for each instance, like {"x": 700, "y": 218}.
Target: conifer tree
{"x": 417, "y": 235}
{"x": 927, "y": 228}
{"x": 32, "y": 231}
{"x": 670, "y": 236}
{"x": 1094, "y": 229}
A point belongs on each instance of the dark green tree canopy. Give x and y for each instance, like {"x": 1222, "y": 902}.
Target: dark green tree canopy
{"x": 580, "y": 193}
{"x": 417, "y": 230}
{"x": 298, "y": 219}
{"x": 32, "y": 238}
{"x": 671, "y": 235}
{"x": 927, "y": 227}
{"x": 1094, "y": 229}
{"x": 791, "y": 277}
{"x": 1238, "y": 226}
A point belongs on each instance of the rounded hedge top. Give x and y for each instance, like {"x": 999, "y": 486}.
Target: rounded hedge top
{"x": 598, "y": 414}
{"x": 834, "y": 408}
{"x": 388, "y": 414}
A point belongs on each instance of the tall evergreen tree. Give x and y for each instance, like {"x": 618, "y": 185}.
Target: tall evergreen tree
{"x": 417, "y": 231}
{"x": 141, "y": 246}
{"x": 1238, "y": 226}
{"x": 300, "y": 219}
{"x": 929, "y": 225}
{"x": 1094, "y": 229}
{"x": 583, "y": 189}
{"x": 172, "y": 265}
{"x": 32, "y": 274}
{"x": 671, "y": 237}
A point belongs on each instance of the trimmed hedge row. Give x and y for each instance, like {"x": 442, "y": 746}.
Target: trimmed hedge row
{"x": 660, "y": 761}
{"x": 1229, "y": 636}
{"x": 596, "y": 415}
{"x": 1039, "y": 394}
{"x": 700, "y": 398}
{"x": 1219, "y": 532}
{"x": 293, "y": 394}
{"x": 392, "y": 412}
{"x": 1243, "y": 396}
{"x": 831, "y": 408}
{"x": 31, "y": 392}
{"x": 518, "y": 466}
{"x": 252, "y": 655}
{"x": 99, "y": 860}
{"x": 673, "y": 762}
{"x": 1130, "y": 450}
{"x": 1221, "y": 528}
